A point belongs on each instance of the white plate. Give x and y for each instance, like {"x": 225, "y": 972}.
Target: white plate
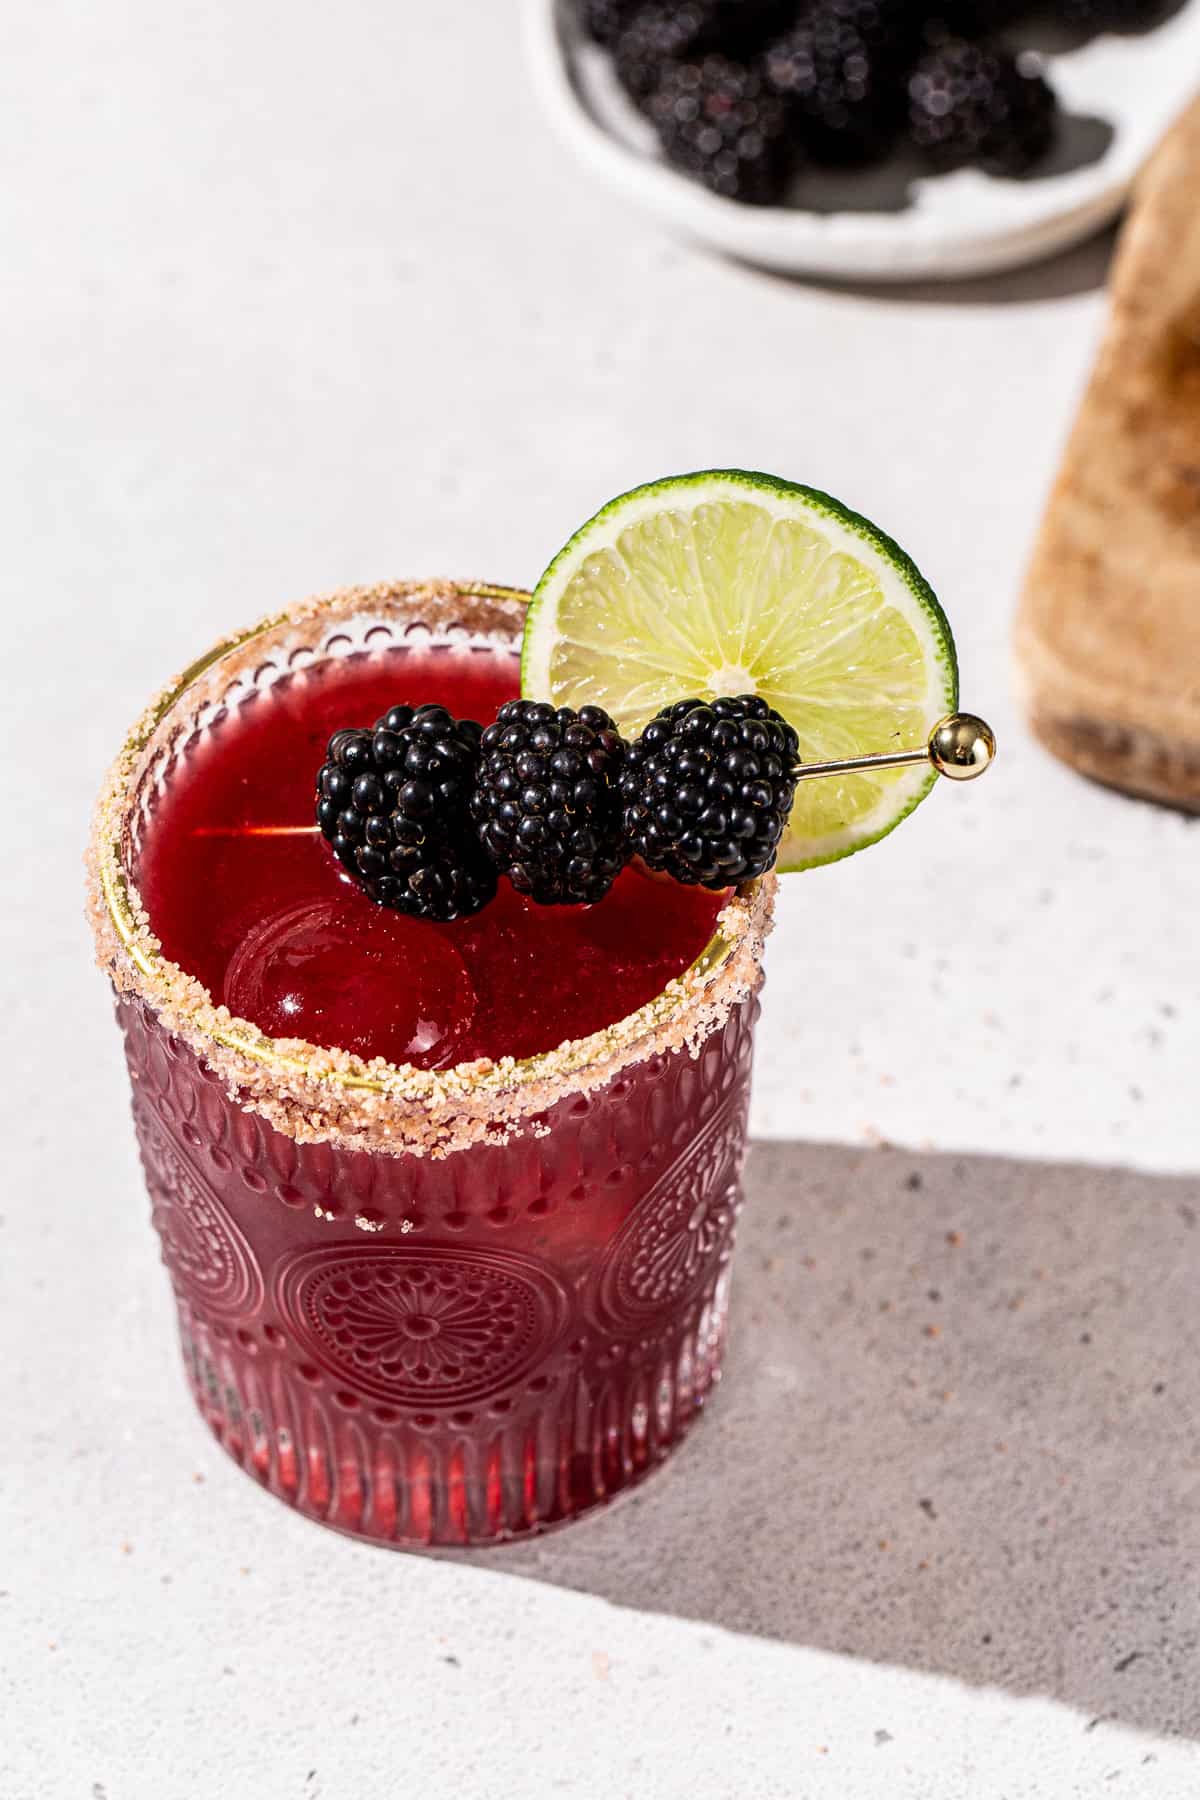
{"x": 892, "y": 224}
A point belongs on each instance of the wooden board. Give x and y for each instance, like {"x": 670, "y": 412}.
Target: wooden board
{"x": 1108, "y": 634}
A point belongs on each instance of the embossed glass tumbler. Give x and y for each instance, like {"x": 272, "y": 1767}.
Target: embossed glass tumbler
{"x": 447, "y": 1307}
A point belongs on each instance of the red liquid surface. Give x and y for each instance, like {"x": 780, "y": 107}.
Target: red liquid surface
{"x": 277, "y": 931}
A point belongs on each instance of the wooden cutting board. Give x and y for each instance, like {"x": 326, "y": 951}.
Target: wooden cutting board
{"x": 1108, "y": 632}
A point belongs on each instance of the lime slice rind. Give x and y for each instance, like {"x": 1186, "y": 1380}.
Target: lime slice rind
{"x": 728, "y": 581}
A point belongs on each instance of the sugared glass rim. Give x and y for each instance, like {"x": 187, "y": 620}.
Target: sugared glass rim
{"x": 315, "y": 1092}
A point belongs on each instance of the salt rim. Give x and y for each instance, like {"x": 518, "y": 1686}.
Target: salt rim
{"x": 313, "y": 1094}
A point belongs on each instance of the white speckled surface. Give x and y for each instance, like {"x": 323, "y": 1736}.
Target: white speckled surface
{"x": 291, "y": 303}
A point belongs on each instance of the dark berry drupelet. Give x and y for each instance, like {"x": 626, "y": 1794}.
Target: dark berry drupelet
{"x": 657, "y": 38}
{"x": 969, "y": 104}
{"x": 604, "y": 20}
{"x": 395, "y": 805}
{"x": 547, "y": 804}
{"x": 840, "y": 69}
{"x": 717, "y": 122}
{"x": 708, "y": 787}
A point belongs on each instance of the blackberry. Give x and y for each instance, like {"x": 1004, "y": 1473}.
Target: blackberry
{"x": 604, "y": 20}
{"x": 717, "y": 123}
{"x": 840, "y": 70}
{"x": 708, "y": 787}
{"x": 394, "y": 804}
{"x": 655, "y": 39}
{"x": 968, "y": 104}
{"x": 547, "y": 805}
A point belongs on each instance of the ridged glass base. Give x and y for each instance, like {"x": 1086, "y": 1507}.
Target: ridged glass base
{"x": 589, "y": 1431}
{"x": 455, "y": 1351}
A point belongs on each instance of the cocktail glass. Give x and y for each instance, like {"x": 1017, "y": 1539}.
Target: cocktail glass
{"x": 447, "y": 1307}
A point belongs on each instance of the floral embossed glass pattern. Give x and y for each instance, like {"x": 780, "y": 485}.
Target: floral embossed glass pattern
{"x": 446, "y": 1306}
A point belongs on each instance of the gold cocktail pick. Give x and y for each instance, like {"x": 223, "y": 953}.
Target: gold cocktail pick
{"x": 960, "y": 746}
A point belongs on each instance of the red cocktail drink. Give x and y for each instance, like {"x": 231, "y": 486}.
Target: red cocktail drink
{"x": 447, "y": 1208}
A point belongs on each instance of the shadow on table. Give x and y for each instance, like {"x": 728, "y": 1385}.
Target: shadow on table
{"x": 1081, "y": 270}
{"x": 959, "y": 1431}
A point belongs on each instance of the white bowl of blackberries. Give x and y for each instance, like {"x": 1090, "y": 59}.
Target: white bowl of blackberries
{"x": 850, "y": 114}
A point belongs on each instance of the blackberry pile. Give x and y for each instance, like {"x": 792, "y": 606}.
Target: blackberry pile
{"x": 746, "y": 94}
{"x": 426, "y": 811}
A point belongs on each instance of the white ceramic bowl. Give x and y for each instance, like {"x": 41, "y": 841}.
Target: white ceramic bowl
{"x": 892, "y": 223}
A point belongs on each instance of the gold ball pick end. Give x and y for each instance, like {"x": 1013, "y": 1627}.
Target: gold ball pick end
{"x": 962, "y": 746}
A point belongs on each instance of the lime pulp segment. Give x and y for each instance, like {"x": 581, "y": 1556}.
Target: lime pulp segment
{"x": 727, "y": 582}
